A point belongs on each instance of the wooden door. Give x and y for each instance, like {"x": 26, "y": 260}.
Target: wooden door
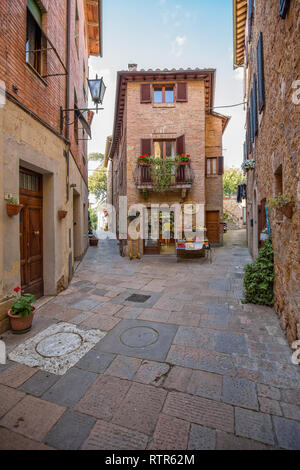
{"x": 31, "y": 232}
{"x": 213, "y": 226}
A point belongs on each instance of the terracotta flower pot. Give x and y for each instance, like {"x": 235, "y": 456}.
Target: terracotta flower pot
{"x": 287, "y": 210}
{"x": 13, "y": 209}
{"x": 94, "y": 241}
{"x": 21, "y": 325}
{"x": 184, "y": 163}
{"x": 142, "y": 163}
{"x": 62, "y": 214}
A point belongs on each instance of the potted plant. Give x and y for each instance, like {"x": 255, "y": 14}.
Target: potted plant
{"x": 143, "y": 160}
{"x": 282, "y": 203}
{"x": 22, "y": 312}
{"x": 184, "y": 159}
{"x": 94, "y": 241}
{"x": 248, "y": 165}
{"x": 13, "y": 207}
{"x": 62, "y": 214}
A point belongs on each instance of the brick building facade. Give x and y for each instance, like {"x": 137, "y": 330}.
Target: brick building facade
{"x": 44, "y": 47}
{"x": 267, "y": 45}
{"x": 164, "y": 113}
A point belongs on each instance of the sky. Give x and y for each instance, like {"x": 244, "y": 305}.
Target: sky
{"x": 170, "y": 34}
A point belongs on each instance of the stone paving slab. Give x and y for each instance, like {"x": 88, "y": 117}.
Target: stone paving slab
{"x": 70, "y": 431}
{"x": 39, "y": 383}
{"x": 32, "y": 417}
{"x": 106, "y": 436}
{"x": 16, "y": 375}
{"x": 240, "y": 392}
{"x": 11, "y": 441}
{"x": 8, "y": 398}
{"x": 170, "y": 434}
{"x": 155, "y": 339}
{"x": 140, "y": 408}
{"x": 200, "y": 410}
{"x": 202, "y": 438}
{"x": 95, "y": 361}
{"x": 124, "y": 367}
{"x": 71, "y": 387}
{"x": 103, "y": 398}
{"x": 254, "y": 425}
{"x": 287, "y": 433}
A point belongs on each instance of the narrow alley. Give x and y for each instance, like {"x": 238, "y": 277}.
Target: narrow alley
{"x": 168, "y": 358}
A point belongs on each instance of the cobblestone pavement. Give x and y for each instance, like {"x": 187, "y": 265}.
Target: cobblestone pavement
{"x": 183, "y": 365}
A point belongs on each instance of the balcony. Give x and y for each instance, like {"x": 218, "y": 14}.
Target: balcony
{"x": 145, "y": 179}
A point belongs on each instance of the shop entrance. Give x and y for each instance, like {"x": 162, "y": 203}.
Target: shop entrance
{"x": 164, "y": 243}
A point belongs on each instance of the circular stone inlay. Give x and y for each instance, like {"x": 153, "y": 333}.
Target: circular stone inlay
{"x": 59, "y": 344}
{"x": 139, "y": 337}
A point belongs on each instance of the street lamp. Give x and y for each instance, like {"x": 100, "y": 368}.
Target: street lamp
{"x": 97, "y": 90}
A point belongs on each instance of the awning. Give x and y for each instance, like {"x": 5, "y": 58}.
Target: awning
{"x": 83, "y": 121}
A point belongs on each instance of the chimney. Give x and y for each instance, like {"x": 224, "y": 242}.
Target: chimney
{"x": 132, "y": 67}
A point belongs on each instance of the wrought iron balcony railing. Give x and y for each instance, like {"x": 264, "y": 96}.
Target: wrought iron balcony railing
{"x": 145, "y": 178}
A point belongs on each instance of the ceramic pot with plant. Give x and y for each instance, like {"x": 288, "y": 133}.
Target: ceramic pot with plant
{"x": 94, "y": 241}
{"x": 13, "y": 207}
{"x": 184, "y": 159}
{"x": 282, "y": 203}
{"x": 143, "y": 160}
{"x": 22, "y": 312}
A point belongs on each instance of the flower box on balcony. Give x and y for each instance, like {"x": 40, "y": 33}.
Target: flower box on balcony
{"x": 12, "y": 207}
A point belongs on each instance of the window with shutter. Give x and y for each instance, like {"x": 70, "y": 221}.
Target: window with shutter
{"x": 260, "y": 74}
{"x": 220, "y": 165}
{"x": 283, "y": 7}
{"x": 181, "y": 92}
{"x": 146, "y": 147}
{"x": 146, "y": 93}
{"x": 180, "y": 145}
{"x": 246, "y": 147}
{"x": 254, "y": 106}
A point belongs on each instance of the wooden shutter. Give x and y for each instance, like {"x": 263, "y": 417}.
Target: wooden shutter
{"x": 146, "y": 93}
{"x": 254, "y": 105}
{"x": 246, "y": 147}
{"x": 250, "y": 121}
{"x": 180, "y": 145}
{"x": 260, "y": 74}
{"x": 181, "y": 92}
{"x": 146, "y": 147}
{"x": 250, "y": 16}
{"x": 283, "y": 7}
{"x": 220, "y": 165}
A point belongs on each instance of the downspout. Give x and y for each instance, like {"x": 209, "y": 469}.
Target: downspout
{"x": 67, "y": 97}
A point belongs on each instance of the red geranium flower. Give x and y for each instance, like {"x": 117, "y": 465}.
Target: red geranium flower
{"x": 16, "y": 289}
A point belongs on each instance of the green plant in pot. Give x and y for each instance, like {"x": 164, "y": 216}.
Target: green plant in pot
{"x": 283, "y": 203}
{"x": 13, "y": 207}
{"x": 22, "y": 312}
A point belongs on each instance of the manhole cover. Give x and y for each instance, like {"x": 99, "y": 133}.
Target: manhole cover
{"x": 59, "y": 344}
{"x": 139, "y": 337}
{"x": 139, "y": 298}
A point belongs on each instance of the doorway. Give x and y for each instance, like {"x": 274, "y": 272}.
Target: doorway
{"x": 31, "y": 232}
{"x": 213, "y": 226}
{"x": 165, "y": 241}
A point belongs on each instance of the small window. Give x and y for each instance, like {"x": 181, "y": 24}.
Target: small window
{"x": 211, "y": 166}
{"x": 163, "y": 149}
{"x": 34, "y": 37}
{"x": 164, "y": 94}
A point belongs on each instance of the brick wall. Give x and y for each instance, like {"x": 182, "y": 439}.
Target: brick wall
{"x": 278, "y": 143}
{"x": 44, "y": 96}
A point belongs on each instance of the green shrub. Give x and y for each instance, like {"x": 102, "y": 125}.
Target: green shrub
{"x": 259, "y": 277}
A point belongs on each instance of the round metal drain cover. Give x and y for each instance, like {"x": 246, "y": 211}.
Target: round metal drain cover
{"x": 59, "y": 344}
{"x": 139, "y": 337}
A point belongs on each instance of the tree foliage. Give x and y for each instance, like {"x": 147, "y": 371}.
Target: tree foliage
{"x": 231, "y": 178}
{"x": 96, "y": 157}
{"x": 98, "y": 184}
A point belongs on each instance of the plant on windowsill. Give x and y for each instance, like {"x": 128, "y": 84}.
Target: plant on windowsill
{"x": 283, "y": 204}
{"x": 259, "y": 277}
{"x": 248, "y": 165}
{"x": 144, "y": 160}
{"x": 183, "y": 159}
{"x": 13, "y": 207}
{"x": 22, "y": 312}
{"x": 163, "y": 171}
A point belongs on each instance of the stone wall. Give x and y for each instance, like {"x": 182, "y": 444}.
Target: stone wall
{"x": 277, "y": 146}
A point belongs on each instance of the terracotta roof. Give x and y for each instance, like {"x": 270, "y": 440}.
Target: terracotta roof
{"x": 208, "y": 75}
{"x": 240, "y": 8}
{"x": 94, "y": 14}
